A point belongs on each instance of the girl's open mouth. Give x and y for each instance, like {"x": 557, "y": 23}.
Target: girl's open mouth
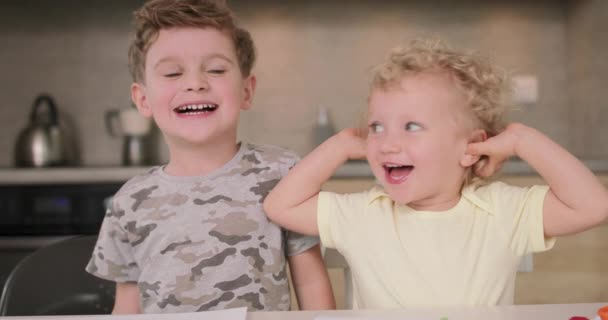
{"x": 395, "y": 174}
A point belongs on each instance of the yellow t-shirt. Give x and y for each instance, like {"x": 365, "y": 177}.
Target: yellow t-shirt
{"x": 467, "y": 255}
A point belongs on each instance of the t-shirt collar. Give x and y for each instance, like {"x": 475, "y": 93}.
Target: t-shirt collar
{"x": 468, "y": 192}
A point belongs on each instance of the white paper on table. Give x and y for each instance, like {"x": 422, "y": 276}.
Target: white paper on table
{"x": 228, "y": 314}
{"x": 350, "y": 317}
{"x": 374, "y": 317}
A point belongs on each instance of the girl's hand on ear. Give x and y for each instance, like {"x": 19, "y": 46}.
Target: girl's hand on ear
{"x": 353, "y": 139}
{"x": 495, "y": 150}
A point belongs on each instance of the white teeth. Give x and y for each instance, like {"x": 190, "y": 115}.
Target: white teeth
{"x": 197, "y": 107}
{"x": 393, "y": 165}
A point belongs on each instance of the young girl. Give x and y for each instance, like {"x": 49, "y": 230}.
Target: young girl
{"x": 434, "y": 233}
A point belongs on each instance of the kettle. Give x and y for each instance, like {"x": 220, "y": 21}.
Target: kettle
{"x": 42, "y": 143}
{"x": 135, "y": 130}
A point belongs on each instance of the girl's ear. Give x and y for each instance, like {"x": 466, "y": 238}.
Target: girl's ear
{"x": 478, "y": 135}
{"x": 249, "y": 86}
{"x": 138, "y": 96}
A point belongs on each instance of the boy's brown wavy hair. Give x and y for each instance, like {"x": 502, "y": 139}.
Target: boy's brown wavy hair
{"x": 156, "y": 15}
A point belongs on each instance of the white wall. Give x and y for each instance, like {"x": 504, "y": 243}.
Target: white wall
{"x": 310, "y": 53}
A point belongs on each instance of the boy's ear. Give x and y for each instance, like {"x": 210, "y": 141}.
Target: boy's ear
{"x": 249, "y": 86}
{"x": 138, "y": 96}
{"x": 478, "y": 135}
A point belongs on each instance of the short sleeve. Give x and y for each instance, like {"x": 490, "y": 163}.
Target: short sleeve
{"x": 325, "y": 206}
{"x": 287, "y": 161}
{"x": 112, "y": 258}
{"x": 522, "y": 210}
{"x": 298, "y": 243}
{"x": 535, "y": 226}
{"x": 295, "y": 243}
{"x": 337, "y": 215}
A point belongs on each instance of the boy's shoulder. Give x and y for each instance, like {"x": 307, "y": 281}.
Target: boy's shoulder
{"x": 254, "y": 158}
{"x": 142, "y": 181}
{"x": 270, "y": 155}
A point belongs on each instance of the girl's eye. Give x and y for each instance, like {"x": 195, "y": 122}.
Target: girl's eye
{"x": 376, "y": 128}
{"x": 172, "y": 74}
{"x": 412, "y": 126}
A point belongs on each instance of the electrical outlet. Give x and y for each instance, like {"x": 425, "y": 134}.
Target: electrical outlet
{"x": 525, "y": 90}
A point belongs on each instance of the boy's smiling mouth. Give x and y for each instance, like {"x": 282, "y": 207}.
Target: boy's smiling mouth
{"x": 196, "y": 109}
{"x": 396, "y": 173}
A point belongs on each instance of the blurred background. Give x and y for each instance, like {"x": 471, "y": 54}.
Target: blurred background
{"x": 311, "y": 53}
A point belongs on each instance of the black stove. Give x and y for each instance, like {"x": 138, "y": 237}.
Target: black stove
{"x": 53, "y": 210}
{"x": 33, "y": 215}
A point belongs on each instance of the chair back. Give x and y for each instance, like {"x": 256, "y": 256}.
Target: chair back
{"x": 53, "y": 281}
{"x": 333, "y": 259}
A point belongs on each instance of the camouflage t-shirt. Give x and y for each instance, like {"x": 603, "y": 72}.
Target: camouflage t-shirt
{"x": 201, "y": 243}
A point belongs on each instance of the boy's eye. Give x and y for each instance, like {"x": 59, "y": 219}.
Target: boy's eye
{"x": 412, "y": 126}
{"x": 376, "y": 128}
{"x": 172, "y": 74}
{"x": 217, "y": 71}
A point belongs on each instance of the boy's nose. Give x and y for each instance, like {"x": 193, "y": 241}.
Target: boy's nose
{"x": 197, "y": 83}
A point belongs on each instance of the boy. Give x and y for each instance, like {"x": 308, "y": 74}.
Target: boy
{"x": 192, "y": 235}
{"x": 431, "y": 235}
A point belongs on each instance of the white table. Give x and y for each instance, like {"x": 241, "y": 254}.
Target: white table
{"x": 519, "y": 312}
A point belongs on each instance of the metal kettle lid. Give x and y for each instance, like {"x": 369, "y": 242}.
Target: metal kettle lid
{"x": 42, "y": 142}
{"x": 41, "y": 101}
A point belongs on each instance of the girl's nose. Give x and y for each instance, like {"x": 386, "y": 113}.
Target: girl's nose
{"x": 390, "y": 145}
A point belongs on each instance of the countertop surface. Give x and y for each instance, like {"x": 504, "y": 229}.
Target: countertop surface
{"x": 517, "y": 312}
{"x": 351, "y": 169}
{"x": 16, "y": 176}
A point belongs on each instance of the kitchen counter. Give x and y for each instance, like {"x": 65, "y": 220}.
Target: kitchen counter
{"x": 360, "y": 169}
{"x": 519, "y": 167}
{"x": 350, "y": 170}
{"x": 17, "y": 176}
{"x": 67, "y": 175}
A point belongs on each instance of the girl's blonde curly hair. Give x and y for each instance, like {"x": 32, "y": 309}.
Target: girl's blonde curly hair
{"x": 485, "y": 86}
